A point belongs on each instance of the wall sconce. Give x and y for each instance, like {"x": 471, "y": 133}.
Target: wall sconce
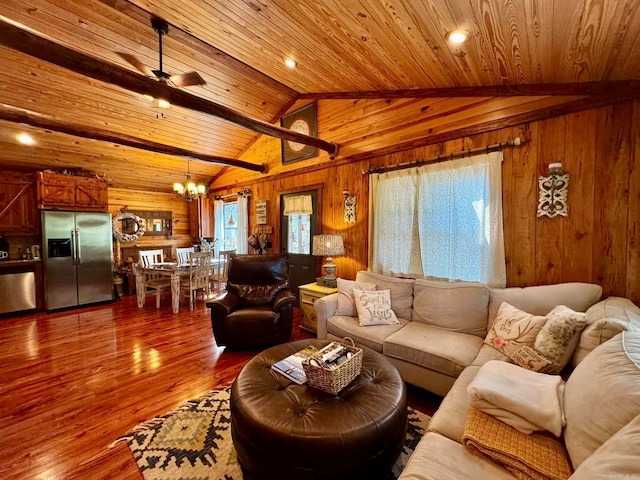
{"x": 552, "y": 199}
{"x": 349, "y": 207}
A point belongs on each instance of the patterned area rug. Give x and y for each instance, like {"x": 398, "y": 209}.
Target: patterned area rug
{"x": 194, "y": 442}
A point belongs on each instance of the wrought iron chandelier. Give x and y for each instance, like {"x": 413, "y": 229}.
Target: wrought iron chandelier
{"x": 189, "y": 189}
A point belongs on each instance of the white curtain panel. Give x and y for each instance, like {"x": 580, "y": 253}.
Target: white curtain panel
{"x": 297, "y": 205}
{"x": 441, "y": 220}
{"x": 218, "y": 221}
{"x": 242, "y": 245}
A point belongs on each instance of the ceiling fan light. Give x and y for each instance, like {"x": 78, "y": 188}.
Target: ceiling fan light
{"x": 457, "y": 36}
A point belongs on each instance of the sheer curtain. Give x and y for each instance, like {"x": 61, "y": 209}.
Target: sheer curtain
{"x": 242, "y": 245}
{"x": 218, "y": 225}
{"x": 441, "y": 220}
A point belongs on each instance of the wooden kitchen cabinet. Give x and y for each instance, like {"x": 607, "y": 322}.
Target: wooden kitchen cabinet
{"x": 309, "y": 293}
{"x": 70, "y": 192}
{"x": 18, "y": 204}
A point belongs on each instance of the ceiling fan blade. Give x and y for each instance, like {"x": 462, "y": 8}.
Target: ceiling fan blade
{"x": 141, "y": 67}
{"x": 187, "y": 79}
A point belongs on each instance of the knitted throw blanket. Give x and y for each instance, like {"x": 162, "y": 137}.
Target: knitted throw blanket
{"x": 538, "y": 456}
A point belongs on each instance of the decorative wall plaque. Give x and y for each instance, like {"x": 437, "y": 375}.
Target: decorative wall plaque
{"x": 552, "y": 198}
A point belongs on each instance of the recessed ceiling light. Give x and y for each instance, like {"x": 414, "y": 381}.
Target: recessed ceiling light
{"x": 290, "y": 62}
{"x": 26, "y": 139}
{"x": 147, "y": 97}
{"x": 457, "y": 36}
{"x": 163, "y": 103}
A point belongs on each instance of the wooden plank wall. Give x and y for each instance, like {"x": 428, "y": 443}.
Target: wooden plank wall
{"x": 598, "y": 242}
{"x": 139, "y": 200}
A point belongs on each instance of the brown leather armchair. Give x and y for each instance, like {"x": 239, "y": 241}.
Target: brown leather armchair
{"x": 257, "y": 309}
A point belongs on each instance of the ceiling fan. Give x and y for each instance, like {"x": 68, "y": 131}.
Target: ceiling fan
{"x": 182, "y": 80}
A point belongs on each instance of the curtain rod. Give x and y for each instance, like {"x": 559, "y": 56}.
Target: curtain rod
{"x": 245, "y": 192}
{"x": 442, "y": 158}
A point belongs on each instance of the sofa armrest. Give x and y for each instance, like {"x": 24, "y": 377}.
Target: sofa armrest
{"x": 325, "y": 309}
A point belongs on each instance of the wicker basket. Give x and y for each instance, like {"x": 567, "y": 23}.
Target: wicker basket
{"x": 333, "y": 380}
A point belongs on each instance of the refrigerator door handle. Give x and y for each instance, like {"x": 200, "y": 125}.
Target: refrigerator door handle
{"x": 78, "y": 251}
{"x": 73, "y": 248}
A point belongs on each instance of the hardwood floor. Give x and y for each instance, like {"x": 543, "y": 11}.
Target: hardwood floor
{"x": 72, "y": 382}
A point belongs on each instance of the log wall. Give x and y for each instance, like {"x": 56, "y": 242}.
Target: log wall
{"x": 139, "y": 200}
{"x": 598, "y": 242}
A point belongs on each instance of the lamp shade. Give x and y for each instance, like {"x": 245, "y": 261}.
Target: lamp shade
{"x": 328, "y": 245}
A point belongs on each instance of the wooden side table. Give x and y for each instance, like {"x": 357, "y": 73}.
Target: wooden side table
{"x": 309, "y": 293}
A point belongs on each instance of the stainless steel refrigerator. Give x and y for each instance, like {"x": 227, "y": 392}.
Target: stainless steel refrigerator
{"x": 78, "y": 258}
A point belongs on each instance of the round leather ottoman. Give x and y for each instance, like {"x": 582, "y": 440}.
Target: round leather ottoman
{"x": 282, "y": 430}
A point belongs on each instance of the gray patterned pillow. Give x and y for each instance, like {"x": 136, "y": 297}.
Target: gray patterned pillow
{"x": 559, "y": 337}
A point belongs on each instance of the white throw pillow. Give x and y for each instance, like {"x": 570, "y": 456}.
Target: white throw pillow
{"x": 513, "y": 328}
{"x": 559, "y": 336}
{"x": 374, "y": 307}
{"x": 345, "y": 306}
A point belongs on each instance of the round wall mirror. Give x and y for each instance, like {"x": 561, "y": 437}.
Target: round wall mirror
{"x": 128, "y": 227}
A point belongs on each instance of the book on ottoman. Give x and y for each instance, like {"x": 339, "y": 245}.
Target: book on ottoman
{"x": 291, "y": 366}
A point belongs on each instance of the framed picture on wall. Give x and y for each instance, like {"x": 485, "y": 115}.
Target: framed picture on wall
{"x": 303, "y": 120}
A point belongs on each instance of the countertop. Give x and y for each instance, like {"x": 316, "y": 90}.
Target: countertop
{"x": 13, "y": 263}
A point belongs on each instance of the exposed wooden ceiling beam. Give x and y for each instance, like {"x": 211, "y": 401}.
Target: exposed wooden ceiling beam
{"x": 551, "y": 89}
{"x": 36, "y": 46}
{"x": 18, "y": 115}
{"x": 143, "y": 16}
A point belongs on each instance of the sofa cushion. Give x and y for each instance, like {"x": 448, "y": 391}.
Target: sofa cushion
{"x": 605, "y": 320}
{"x": 617, "y": 458}
{"x": 487, "y": 353}
{"x": 602, "y": 395}
{"x": 439, "y": 458}
{"x": 540, "y": 299}
{"x": 346, "y": 306}
{"x": 455, "y": 306}
{"x": 372, "y": 337}
{"x": 559, "y": 336}
{"x": 451, "y": 416}
{"x": 401, "y": 291}
{"x": 374, "y": 307}
{"x": 513, "y": 328}
{"x": 432, "y": 347}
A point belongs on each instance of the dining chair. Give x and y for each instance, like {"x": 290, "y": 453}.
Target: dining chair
{"x": 221, "y": 268}
{"x": 157, "y": 283}
{"x": 183, "y": 255}
{"x": 199, "y": 268}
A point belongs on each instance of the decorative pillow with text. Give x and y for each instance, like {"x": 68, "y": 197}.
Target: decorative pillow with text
{"x": 528, "y": 358}
{"x": 374, "y": 307}
{"x": 513, "y": 328}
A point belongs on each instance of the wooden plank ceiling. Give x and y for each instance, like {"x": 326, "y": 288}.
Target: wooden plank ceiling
{"x": 343, "y": 48}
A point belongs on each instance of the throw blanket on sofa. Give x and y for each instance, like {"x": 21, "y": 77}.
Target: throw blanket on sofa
{"x": 526, "y": 400}
{"x": 538, "y": 456}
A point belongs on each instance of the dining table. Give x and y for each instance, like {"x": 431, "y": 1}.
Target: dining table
{"x": 173, "y": 270}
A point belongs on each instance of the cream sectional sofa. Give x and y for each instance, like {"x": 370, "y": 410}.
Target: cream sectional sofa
{"x": 443, "y": 324}
{"x": 438, "y": 345}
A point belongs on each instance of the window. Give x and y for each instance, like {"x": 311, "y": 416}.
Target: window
{"x": 299, "y": 240}
{"x": 230, "y": 219}
{"x": 441, "y": 220}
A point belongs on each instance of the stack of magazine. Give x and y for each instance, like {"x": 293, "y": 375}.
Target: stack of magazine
{"x": 291, "y": 367}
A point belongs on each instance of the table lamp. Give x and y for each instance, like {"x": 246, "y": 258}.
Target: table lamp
{"x": 328, "y": 245}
